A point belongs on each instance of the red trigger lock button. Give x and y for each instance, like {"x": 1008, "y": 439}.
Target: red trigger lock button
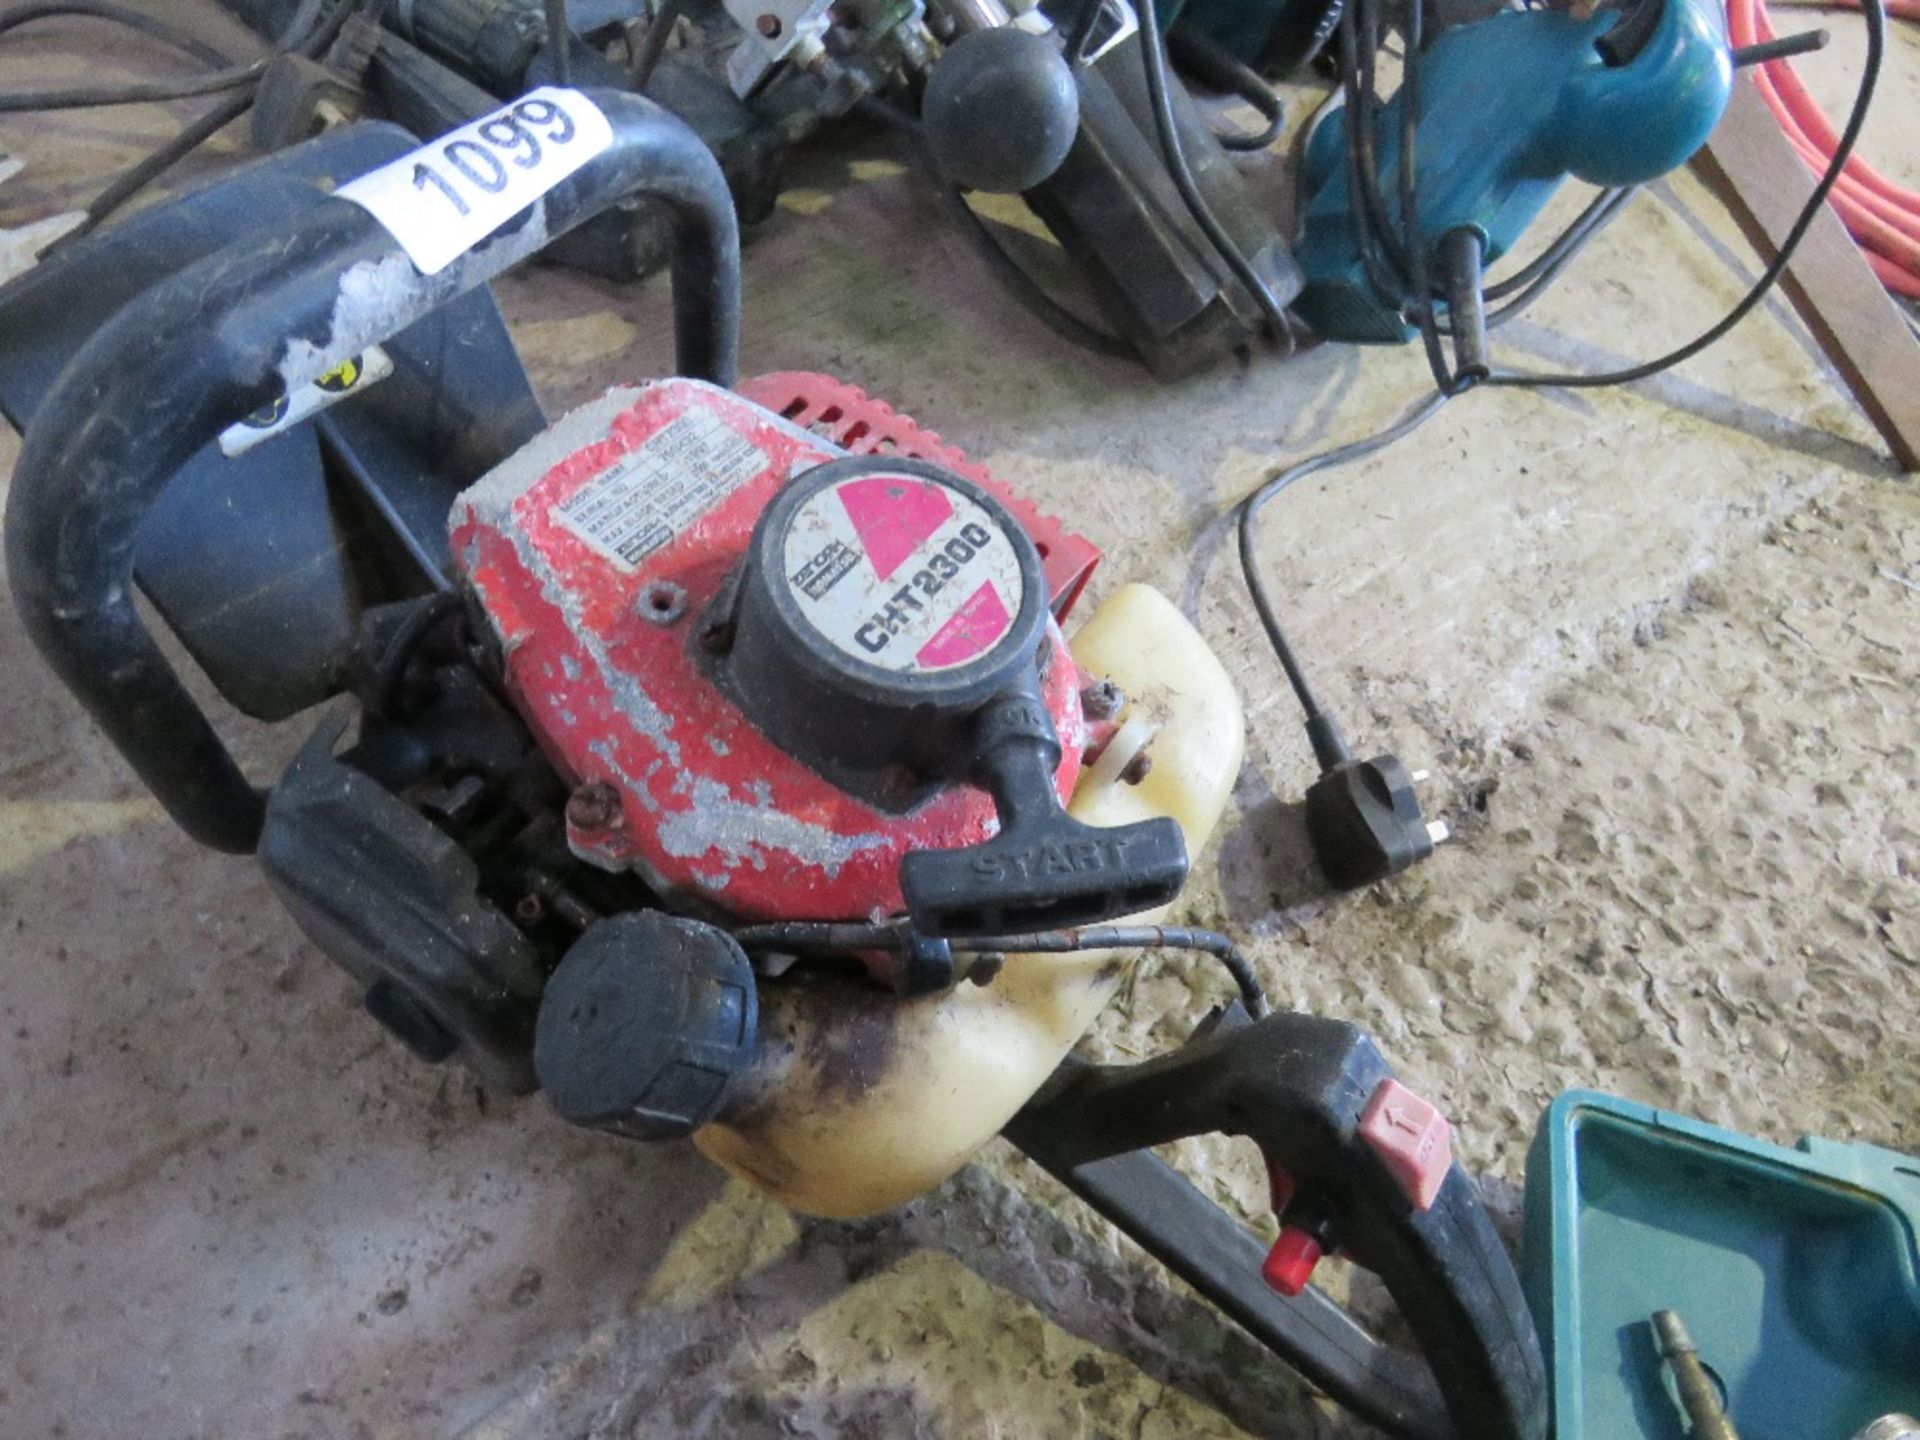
{"x": 1411, "y": 1138}
{"x": 1289, "y": 1264}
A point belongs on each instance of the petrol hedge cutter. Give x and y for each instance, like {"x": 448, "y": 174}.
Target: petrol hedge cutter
{"x": 715, "y": 759}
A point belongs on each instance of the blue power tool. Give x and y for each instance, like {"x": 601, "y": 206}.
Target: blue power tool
{"x": 1510, "y": 107}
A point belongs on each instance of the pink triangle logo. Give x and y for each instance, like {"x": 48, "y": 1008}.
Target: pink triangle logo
{"x": 974, "y": 629}
{"x": 893, "y": 514}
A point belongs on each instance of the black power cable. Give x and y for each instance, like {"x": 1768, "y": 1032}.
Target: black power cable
{"x": 137, "y": 93}
{"x": 1153, "y": 61}
{"x": 123, "y": 15}
{"x": 1329, "y": 748}
{"x": 143, "y": 173}
{"x": 313, "y": 31}
{"x": 1537, "y": 276}
{"x": 653, "y": 44}
{"x": 1363, "y": 816}
{"x": 1468, "y": 366}
{"x": 1377, "y": 246}
{"x": 559, "y": 41}
{"x": 1533, "y": 280}
{"x": 1568, "y": 243}
{"x": 1373, "y": 817}
{"x": 1198, "y": 54}
{"x": 1395, "y": 260}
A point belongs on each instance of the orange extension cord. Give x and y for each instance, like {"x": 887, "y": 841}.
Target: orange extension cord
{"x": 1883, "y": 217}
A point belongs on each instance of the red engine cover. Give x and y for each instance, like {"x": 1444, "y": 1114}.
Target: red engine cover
{"x": 596, "y": 552}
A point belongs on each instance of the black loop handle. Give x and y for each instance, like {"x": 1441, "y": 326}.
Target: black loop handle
{"x": 1298, "y": 1086}
{"x": 229, "y": 335}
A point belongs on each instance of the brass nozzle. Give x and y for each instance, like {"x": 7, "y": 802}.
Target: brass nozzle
{"x": 1699, "y": 1395}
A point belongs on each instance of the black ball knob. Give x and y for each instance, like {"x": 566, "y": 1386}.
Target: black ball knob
{"x": 1001, "y": 110}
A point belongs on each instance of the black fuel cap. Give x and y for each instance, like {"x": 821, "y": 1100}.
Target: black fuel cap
{"x": 645, "y": 1024}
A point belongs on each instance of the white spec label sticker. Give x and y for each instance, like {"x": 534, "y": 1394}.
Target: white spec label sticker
{"x": 451, "y": 193}
{"x": 903, "y": 572}
{"x": 654, "y": 491}
{"x": 349, "y": 377}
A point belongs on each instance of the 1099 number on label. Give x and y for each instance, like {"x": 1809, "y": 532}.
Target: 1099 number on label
{"x": 511, "y": 137}
{"x": 447, "y": 196}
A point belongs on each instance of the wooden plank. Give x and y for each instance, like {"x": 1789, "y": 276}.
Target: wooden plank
{"x": 1751, "y": 168}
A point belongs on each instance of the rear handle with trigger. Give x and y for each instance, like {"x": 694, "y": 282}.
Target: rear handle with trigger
{"x": 1366, "y": 1170}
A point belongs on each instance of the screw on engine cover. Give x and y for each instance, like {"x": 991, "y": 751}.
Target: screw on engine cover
{"x": 1138, "y": 768}
{"x": 1102, "y": 700}
{"x": 594, "y": 806}
{"x": 663, "y": 602}
{"x": 530, "y": 909}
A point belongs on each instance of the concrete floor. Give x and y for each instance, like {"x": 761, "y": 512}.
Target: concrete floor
{"x": 1659, "y": 647}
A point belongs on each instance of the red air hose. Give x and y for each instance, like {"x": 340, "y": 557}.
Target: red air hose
{"x": 1882, "y": 216}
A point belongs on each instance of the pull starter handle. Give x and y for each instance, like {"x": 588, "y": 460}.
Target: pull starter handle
{"x": 1044, "y": 869}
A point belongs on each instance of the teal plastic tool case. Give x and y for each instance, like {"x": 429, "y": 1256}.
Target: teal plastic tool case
{"x": 1797, "y": 1272}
